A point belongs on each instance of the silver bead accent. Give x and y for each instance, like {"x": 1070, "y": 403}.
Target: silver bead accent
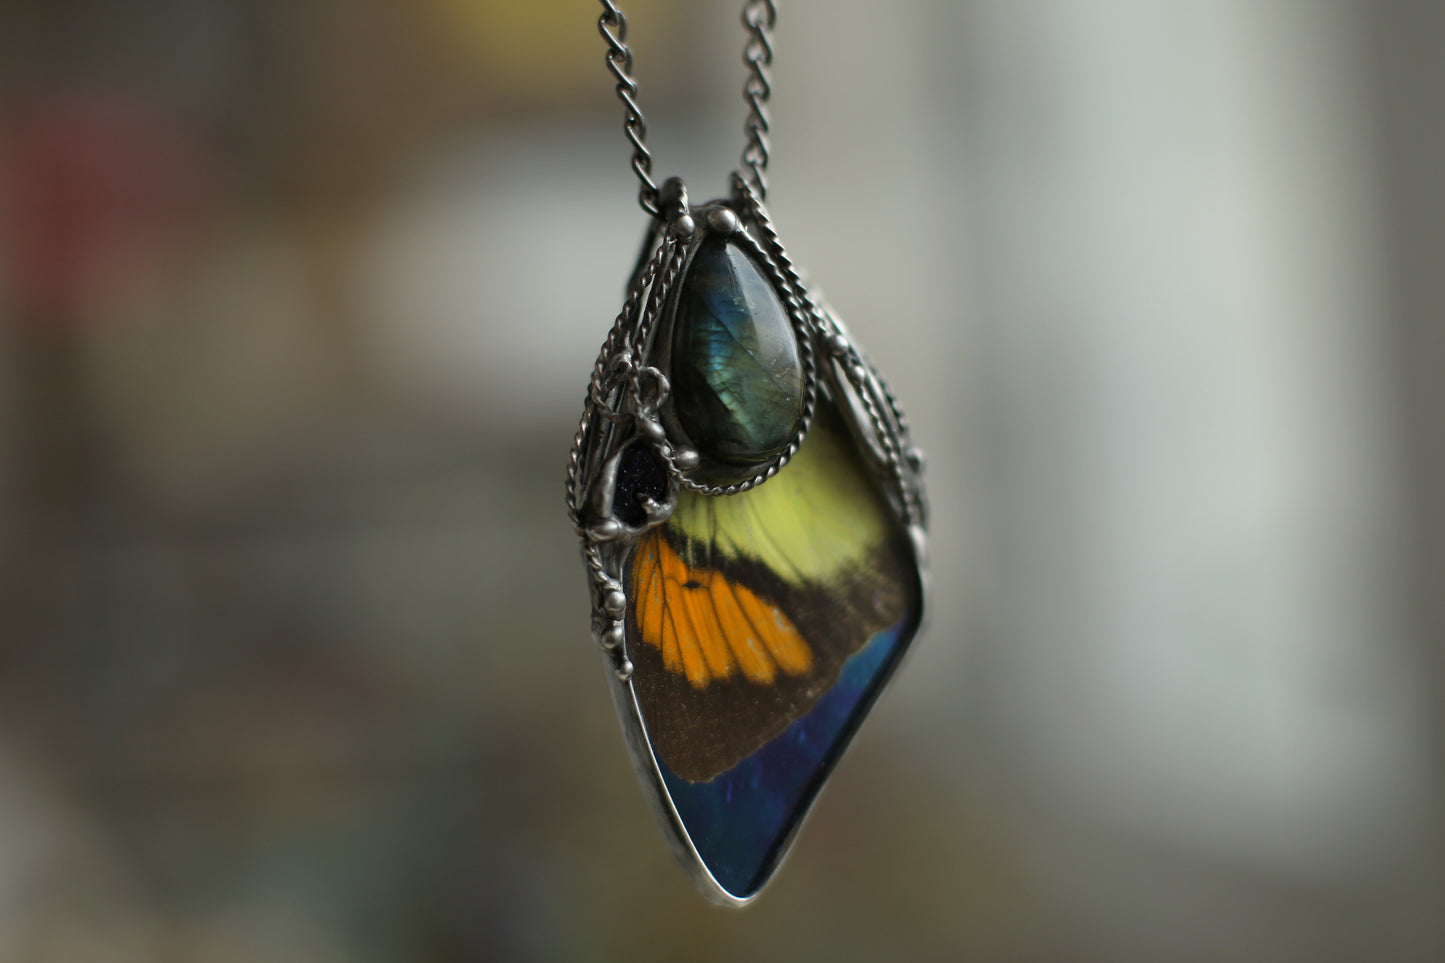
{"x": 614, "y": 603}
{"x": 722, "y": 220}
{"x": 606, "y": 530}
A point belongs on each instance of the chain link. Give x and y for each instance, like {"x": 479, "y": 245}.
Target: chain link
{"x": 759, "y": 16}
{"x": 619, "y": 62}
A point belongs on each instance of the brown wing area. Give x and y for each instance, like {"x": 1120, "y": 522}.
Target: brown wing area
{"x": 731, "y": 655}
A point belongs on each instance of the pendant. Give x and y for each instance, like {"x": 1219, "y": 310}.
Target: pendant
{"x": 752, "y": 521}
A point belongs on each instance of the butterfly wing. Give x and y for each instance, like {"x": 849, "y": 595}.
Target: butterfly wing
{"x": 744, "y": 609}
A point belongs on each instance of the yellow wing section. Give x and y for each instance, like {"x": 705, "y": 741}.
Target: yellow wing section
{"x": 819, "y": 516}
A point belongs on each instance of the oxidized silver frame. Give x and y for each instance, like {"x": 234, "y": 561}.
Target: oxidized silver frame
{"x": 628, "y": 404}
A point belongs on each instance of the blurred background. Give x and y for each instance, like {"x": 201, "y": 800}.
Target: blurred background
{"x": 297, "y": 305}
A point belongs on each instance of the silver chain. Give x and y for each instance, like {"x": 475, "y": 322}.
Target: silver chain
{"x": 619, "y": 61}
{"x": 759, "y": 16}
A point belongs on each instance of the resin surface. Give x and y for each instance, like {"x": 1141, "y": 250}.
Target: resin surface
{"x": 761, "y": 625}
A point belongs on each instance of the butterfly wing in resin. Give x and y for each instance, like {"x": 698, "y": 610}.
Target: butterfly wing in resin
{"x": 760, "y": 626}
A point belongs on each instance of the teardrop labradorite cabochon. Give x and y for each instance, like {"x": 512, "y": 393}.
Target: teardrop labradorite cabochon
{"x": 737, "y": 372}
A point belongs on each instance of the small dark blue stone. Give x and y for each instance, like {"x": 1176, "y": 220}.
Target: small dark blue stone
{"x": 640, "y": 475}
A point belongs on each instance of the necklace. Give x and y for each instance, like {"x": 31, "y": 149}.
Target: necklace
{"x": 750, "y": 507}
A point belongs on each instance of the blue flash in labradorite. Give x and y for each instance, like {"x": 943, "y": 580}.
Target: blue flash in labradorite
{"x": 737, "y": 373}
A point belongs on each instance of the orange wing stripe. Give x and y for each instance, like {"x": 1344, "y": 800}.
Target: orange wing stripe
{"x": 707, "y": 627}
{"x": 784, "y": 643}
{"x": 756, "y": 664}
{"x": 693, "y": 662}
{"x": 710, "y": 637}
{"x": 656, "y": 626}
